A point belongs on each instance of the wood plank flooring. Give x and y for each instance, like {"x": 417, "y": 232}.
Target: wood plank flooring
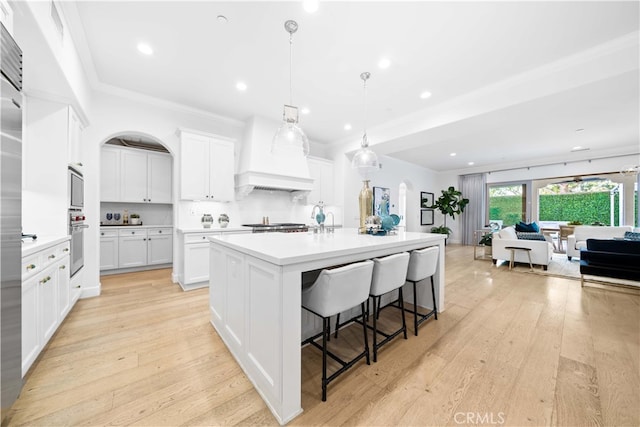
{"x": 511, "y": 348}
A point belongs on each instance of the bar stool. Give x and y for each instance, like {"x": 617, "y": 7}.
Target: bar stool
{"x": 334, "y": 291}
{"x": 422, "y": 264}
{"x": 389, "y": 274}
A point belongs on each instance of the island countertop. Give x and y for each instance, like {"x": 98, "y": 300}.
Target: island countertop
{"x": 294, "y": 248}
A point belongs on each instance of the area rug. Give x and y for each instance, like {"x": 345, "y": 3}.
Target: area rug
{"x": 560, "y": 266}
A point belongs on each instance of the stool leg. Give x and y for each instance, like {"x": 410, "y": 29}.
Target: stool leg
{"x": 325, "y": 324}
{"x": 529, "y": 255}
{"x": 415, "y": 309}
{"x": 404, "y": 323}
{"x": 375, "y": 332}
{"x": 433, "y": 293}
{"x": 366, "y": 339}
{"x": 379, "y": 305}
{"x": 337, "y": 323}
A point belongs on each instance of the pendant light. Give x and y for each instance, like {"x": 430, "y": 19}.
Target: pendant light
{"x": 365, "y": 161}
{"x": 290, "y": 139}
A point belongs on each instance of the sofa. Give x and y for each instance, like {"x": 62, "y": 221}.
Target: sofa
{"x": 612, "y": 258}
{"x": 578, "y": 240}
{"x": 541, "y": 248}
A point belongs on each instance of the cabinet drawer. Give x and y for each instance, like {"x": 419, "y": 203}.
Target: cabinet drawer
{"x": 63, "y": 249}
{"x": 137, "y": 232}
{"x": 160, "y": 231}
{"x": 50, "y": 255}
{"x": 199, "y": 237}
{"x": 108, "y": 233}
{"x": 31, "y": 265}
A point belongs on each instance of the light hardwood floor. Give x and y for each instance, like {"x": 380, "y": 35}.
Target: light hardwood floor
{"x": 511, "y": 348}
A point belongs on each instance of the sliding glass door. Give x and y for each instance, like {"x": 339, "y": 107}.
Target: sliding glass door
{"x": 507, "y": 203}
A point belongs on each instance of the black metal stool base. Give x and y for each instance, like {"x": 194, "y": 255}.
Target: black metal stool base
{"x": 326, "y": 332}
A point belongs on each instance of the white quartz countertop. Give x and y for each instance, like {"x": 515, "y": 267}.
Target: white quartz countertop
{"x": 292, "y": 248}
{"x": 213, "y": 230}
{"x": 41, "y": 243}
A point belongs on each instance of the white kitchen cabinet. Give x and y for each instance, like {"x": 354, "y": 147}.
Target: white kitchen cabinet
{"x": 63, "y": 284}
{"x": 207, "y": 167}
{"x": 45, "y": 298}
{"x": 74, "y": 133}
{"x": 195, "y": 262}
{"x": 159, "y": 246}
{"x": 135, "y": 176}
{"x": 132, "y": 248}
{"x": 108, "y": 249}
{"x": 321, "y": 171}
{"x": 135, "y": 247}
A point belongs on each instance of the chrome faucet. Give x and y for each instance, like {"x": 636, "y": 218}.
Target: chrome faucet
{"x": 319, "y": 217}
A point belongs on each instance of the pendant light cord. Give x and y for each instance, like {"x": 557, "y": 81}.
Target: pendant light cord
{"x": 290, "y": 68}
{"x": 365, "y": 76}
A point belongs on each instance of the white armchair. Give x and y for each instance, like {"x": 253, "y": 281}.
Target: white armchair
{"x": 581, "y": 233}
{"x": 541, "y": 250}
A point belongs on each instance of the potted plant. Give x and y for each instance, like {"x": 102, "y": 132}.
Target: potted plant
{"x": 135, "y": 219}
{"x": 486, "y": 242}
{"x": 450, "y": 203}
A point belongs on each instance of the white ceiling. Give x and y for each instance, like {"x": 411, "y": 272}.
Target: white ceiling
{"x": 511, "y": 81}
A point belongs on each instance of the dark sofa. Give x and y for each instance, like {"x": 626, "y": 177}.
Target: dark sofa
{"x": 616, "y": 258}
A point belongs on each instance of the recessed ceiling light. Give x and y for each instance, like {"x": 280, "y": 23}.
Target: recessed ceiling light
{"x": 241, "y": 86}
{"x": 145, "y": 48}
{"x": 452, "y": 154}
{"x": 426, "y": 94}
{"x": 305, "y": 110}
{"x": 222, "y": 19}
{"x": 347, "y": 126}
{"x": 384, "y": 63}
{"x": 579, "y": 148}
{"x": 579, "y": 130}
{"x": 471, "y": 163}
{"x": 310, "y": 5}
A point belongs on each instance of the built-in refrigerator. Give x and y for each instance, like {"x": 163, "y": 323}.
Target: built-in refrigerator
{"x": 10, "y": 221}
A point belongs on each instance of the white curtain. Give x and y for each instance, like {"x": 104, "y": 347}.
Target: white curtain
{"x": 473, "y": 187}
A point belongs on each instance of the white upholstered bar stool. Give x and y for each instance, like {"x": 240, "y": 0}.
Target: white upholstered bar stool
{"x": 334, "y": 291}
{"x": 422, "y": 264}
{"x": 389, "y": 274}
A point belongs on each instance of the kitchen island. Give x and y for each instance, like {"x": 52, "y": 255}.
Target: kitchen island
{"x": 255, "y": 292}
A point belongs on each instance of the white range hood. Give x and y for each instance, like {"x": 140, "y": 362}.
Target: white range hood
{"x": 259, "y": 169}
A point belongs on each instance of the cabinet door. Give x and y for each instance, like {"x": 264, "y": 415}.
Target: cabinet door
{"x": 160, "y": 247}
{"x": 30, "y": 316}
{"x": 221, "y": 182}
{"x": 74, "y": 132}
{"x": 108, "y": 252}
{"x": 110, "y": 175}
{"x": 132, "y": 251}
{"x": 194, "y": 167}
{"x": 159, "y": 178}
{"x": 315, "y": 195}
{"x": 48, "y": 303}
{"x": 62, "y": 282}
{"x": 133, "y": 176}
{"x": 196, "y": 263}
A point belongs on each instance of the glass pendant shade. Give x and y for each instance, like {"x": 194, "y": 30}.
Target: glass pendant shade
{"x": 365, "y": 161}
{"x": 289, "y": 138}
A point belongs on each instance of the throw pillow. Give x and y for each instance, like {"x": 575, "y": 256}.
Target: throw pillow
{"x": 527, "y": 228}
{"x": 630, "y": 235}
{"x": 525, "y": 235}
{"x": 508, "y": 233}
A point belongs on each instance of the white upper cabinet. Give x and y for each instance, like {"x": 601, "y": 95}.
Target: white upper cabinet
{"x": 137, "y": 176}
{"x": 207, "y": 168}
{"x": 321, "y": 171}
{"x": 74, "y": 137}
